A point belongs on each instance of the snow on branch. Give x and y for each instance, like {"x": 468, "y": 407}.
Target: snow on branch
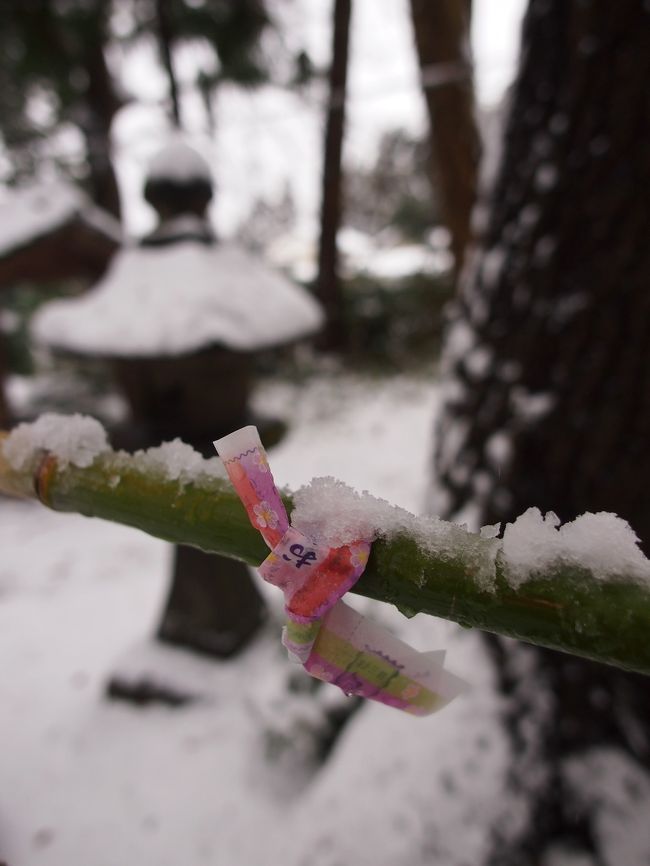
{"x": 583, "y": 588}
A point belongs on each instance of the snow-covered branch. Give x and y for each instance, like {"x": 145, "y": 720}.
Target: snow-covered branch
{"x": 583, "y": 588}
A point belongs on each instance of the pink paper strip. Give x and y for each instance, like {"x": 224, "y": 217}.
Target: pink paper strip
{"x": 332, "y": 641}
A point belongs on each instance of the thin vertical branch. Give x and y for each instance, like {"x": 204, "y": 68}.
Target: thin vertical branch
{"x": 329, "y": 284}
{"x": 165, "y": 44}
{"x": 4, "y": 408}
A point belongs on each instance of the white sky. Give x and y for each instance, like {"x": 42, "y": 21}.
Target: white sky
{"x": 271, "y": 138}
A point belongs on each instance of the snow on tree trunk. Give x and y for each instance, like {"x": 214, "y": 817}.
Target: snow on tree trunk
{"x": 548, "y": 397}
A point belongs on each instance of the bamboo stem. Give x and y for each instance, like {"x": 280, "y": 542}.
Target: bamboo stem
{"x": 566, "y": 609}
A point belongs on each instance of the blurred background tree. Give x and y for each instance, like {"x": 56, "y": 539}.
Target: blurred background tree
{"x": 232, "y": 31}
{"x": 56, "y": 77}
{"x": 4, "y": 408}
{"x": 441, "y": 32}
{"x": 328, "y": 282}
{"x": 548, "y": 359}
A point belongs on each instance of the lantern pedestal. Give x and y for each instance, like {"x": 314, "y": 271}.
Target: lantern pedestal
{"x": 213, "y": 605}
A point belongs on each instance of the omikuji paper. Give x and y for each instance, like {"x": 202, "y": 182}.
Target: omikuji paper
{"x": 333, "y": 642}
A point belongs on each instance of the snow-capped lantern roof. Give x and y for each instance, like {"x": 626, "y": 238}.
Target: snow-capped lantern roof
{"x": 51, "y": 230}
{"x": 179, "y": 163}
{"x": 177, "y": 299}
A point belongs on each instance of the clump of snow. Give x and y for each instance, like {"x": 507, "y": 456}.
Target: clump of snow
{"x": 509, "y": 371}
{"x": 482, "y": 483}
{"x": 544, "y": 249}
{"x": 336, "y": 514}
{"x": 493, "y": 263}
{"x": 498, "y": 449}
{"x": 453, "y": 437}
{"x": 178, "y": 461}
{"x": 478, "y": 361}
{"x": 179, "y": 162}
{"x": 460, "y": 340}
{"x": 568, "y": 306}
{"x": 161, "y": 301}
{"x": 530, "y": 406}
{"x": 529, "y": 216}
{"x": 603, "y": 543}
{"x": 546, "y": 176}
{"x": 73, "y": 439}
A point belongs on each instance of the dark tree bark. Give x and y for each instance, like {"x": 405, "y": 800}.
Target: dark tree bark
{"x": 59, "y": 49}
{"x": 101, "y": 106}
{"x": 4, "y": 408}
{"x": 329, "y": 285}
{"x": 549, "y": 391}
{"x": 165, "y": 44}
{"x": 441, "y": 38}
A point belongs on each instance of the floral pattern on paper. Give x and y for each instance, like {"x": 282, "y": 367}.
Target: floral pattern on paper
{"x": 265, "y": 516}
{"x": 321, "y": 673}
{"x": 411, "y": 691}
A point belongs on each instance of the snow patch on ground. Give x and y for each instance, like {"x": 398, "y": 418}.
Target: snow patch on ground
{"x": 616, "y": 787}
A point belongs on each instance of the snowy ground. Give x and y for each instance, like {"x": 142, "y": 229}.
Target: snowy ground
{"x": 85, "y": 780}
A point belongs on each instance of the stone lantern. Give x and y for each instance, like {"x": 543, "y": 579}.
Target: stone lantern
{"x": 181, "y": 316}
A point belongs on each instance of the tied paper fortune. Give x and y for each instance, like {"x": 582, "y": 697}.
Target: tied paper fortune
{"x": 333, "y": 642}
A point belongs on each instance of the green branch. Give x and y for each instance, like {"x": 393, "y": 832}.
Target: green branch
{"x": 566, "y": 609}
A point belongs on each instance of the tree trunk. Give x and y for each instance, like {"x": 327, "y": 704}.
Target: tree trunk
{"x": 548, "y": 400}
{"x": 441, "y": 37}
{"x": 4, "y": 408}
{"x": 101, "y": 106}
{"x": 165, "y": 43}
{"x": 329, "y": 285}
